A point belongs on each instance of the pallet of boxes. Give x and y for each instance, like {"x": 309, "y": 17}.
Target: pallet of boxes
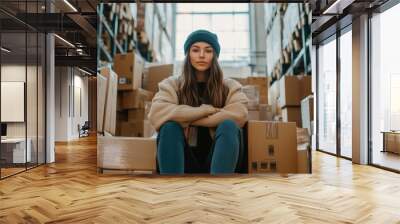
{"x": 273, "y": 146}
{"x": 131, "y": 145}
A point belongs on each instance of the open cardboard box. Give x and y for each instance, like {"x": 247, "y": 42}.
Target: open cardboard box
{"x": 126, "y": 153}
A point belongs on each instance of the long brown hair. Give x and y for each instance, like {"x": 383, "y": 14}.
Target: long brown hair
{"x": 216, "y": 92}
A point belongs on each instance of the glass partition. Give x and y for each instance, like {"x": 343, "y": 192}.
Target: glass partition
{"x": 15, "y": 151}
{"x": 22, "y": 88}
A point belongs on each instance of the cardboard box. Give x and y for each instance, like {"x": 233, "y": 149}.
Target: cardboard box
{"x": 303, "y": 136}
{"x": 292, "y": 89}
{"x": 102, "y": 85}
{"x": 107, "y": 84}
{"x": 132, "y": 128}
{"x": 259, "y": 81}
{"x": 253, "y": 94}
{"x": 273, "y": 96}
{"x": 289, "y": 90}
{"x": 392, "y": 141}
{"x": 155, "y": 73}
{"x": 122, "y": 115}
{"x": 262, "y": 83}
{"x": 126, "y": 153}
{"x": 136, "y": 114}
{"x": 136, "y": 128}
{"x": 242, "y": 81}
{"x": 272, "y": 147}
{"x": 263, "y": 113}
{"x": 292, "y": 114}
{"x": 134, "y": 99}
{"x": 303, "y": 165}
{"x": 253, "y": 115}
{"x": 129, "y": 68}
{"x": 307, "y": 112}
{"x": 303, "y": 156}
{"x": 306, "y": 86}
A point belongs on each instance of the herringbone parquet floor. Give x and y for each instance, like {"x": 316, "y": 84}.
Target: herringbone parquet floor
{"x": 71, "y": 191}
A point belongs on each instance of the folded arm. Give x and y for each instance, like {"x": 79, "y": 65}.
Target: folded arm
{"x": 235, "y": 109}
{"x": 165, "y": 108}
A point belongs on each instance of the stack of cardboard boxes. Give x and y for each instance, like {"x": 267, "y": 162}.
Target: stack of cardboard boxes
{"x": 137, "y": 85}
{"x": 256, "y": 90}
{"x": 124, "y": 113}
{"x": 292, "y": 89}
{"x": 277, "y": 146}
{"x": 272, "y": 146}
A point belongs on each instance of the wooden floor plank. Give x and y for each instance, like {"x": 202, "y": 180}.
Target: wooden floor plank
{"x": 71, "y": 191}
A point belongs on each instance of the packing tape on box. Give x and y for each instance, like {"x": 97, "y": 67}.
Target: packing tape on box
{"x": 271, "y": 130}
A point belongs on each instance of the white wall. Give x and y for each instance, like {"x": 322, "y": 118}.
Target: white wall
{"x": 61, "y": 103}
{"x": 69, "y": 85}
{"x": 12, "y": 73}
{"x": 80, "y": 84}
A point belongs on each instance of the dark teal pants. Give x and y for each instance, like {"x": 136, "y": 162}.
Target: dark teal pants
{"x": 175, "y": 157}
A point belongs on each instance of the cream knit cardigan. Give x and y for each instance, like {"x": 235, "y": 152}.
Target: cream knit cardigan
{"x": 165, "y": 107}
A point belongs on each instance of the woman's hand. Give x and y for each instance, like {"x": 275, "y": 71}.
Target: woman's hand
{"x": 209, "y": 109}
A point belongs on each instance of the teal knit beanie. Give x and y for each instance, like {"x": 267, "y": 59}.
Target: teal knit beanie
{"x": 202, "y": 35}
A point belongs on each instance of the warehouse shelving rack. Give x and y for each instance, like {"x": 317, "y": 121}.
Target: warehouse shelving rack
{"x": 111, "y": 30}
{"x": 299, "y": 62}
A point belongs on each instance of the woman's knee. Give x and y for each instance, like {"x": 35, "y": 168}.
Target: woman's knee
{"x": 227, "y": 126}
{"x": 170, "y": 131}
{"x": 171, "y": 126}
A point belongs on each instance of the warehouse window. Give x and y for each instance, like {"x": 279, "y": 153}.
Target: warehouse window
{"x": 229, "y": 21}
{"x": 385, "y": 89}
{"x": 327, "y": 96}
{"x": 346, "y": 94}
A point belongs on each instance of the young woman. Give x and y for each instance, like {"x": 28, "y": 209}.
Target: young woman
{"x": 198, "y": 115}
